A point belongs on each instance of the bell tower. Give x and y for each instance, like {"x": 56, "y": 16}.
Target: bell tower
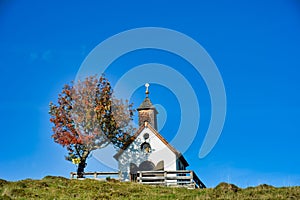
{"x": 147, "y": 112}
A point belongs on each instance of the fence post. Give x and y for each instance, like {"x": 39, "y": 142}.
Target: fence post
{"x": 193, "y": 182}
{"x": 95, "y": 175}
{"x": 140, "y": 176}
{"x": 165, "y": 176}
{"x": 120, "y": 175}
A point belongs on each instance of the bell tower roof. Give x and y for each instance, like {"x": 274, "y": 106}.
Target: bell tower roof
{"x": 147, "y": 112}
{"x": 146, "y": 104}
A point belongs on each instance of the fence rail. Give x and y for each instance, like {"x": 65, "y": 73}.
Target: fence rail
{"x": 185, "y": 178}
{"x": 97, "y": 175}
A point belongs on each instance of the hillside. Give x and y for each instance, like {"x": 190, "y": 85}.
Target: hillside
{"x": 52, "y": 187}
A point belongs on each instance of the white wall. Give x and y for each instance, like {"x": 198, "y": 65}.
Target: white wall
{"x": 133, "y": 154}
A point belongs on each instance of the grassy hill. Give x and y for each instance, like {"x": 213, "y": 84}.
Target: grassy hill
{"x": 52, "y": 187}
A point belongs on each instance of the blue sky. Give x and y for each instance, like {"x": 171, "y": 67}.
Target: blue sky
{"x": 255, "y": 44}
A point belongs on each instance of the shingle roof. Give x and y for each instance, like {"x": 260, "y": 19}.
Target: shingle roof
{"x": 146, "y": 104}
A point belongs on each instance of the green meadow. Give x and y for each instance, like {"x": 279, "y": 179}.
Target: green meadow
{"x": 52, "y": 187}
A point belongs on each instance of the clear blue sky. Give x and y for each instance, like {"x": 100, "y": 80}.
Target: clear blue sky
{"x": 255, "y": 44}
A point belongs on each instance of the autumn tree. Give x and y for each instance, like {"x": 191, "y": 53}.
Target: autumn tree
{"x": 88, "y": 117}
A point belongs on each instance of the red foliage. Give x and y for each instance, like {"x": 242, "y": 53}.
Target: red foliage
{"x": 87, "y": 117}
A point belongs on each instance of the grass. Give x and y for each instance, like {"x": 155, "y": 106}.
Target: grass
{"x": 52, "y": 187}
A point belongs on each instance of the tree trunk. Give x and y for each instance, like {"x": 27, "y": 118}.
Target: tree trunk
{"x": 82, "y": 164}
{"x": 80, "y": 169}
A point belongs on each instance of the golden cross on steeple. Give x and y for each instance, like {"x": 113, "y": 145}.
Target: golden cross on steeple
{"x": 147, "y": 90}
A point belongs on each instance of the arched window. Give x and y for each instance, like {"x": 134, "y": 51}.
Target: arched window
{"x": 146, "y": 166}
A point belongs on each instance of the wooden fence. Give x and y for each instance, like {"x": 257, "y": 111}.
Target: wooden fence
{"x": 98, "y": 175}
{"x": 185, "y": 178}
{"x": 180, "y": 178}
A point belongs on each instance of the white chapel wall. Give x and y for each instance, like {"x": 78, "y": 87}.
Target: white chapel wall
{"x": 134, "y": 154}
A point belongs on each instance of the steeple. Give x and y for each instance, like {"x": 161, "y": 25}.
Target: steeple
{"x": 147, "y": 112}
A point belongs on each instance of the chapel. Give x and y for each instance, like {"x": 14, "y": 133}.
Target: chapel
{"x": 149, "y": 150}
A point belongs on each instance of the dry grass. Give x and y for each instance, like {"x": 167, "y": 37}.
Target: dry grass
{"x": 61, "y": 188}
